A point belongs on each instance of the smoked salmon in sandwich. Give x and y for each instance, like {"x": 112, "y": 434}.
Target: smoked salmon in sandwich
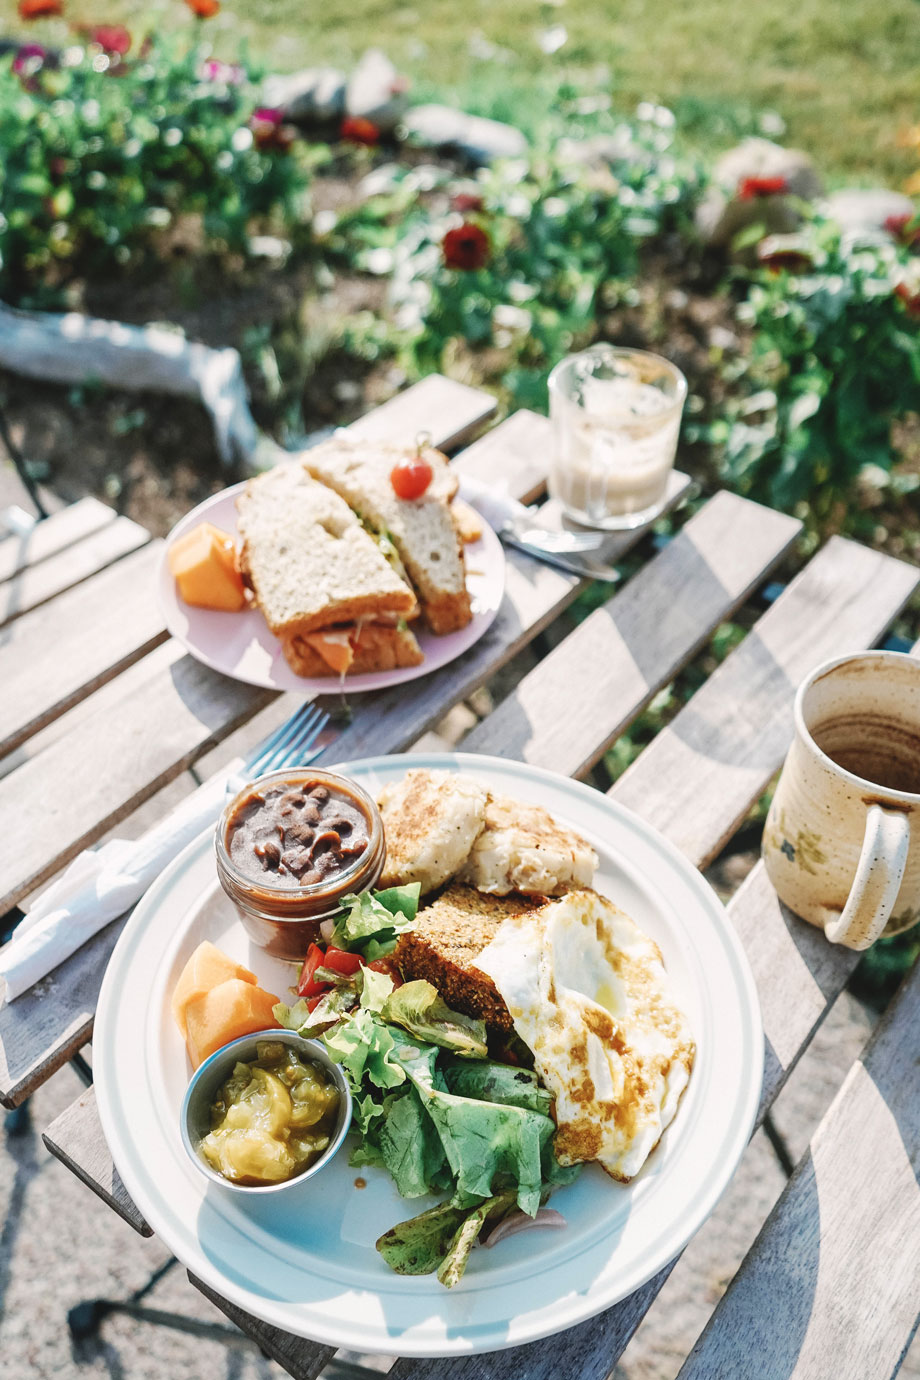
{"x": 337, "y": 598}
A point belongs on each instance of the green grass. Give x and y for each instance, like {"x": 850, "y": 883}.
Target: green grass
{"x": 841, "y": 76}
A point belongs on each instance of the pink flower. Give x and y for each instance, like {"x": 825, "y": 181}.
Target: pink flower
{"x": 28, "y": 57}
{"x": 229, "y": 73}
{"x": 269, "y": 130}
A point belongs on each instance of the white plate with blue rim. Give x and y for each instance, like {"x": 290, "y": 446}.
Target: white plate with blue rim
{"x": 308, "y": 1264}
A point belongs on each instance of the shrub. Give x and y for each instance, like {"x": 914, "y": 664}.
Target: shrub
{"x": 506, "y": 273}
{"x": 835, "y": 359}
{"x": 99, "y": 156}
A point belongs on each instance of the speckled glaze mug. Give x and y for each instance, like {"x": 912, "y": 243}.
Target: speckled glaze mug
{"x": 842, "y": 839}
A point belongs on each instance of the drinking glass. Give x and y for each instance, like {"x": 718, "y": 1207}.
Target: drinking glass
{"x": 615, "y": 414}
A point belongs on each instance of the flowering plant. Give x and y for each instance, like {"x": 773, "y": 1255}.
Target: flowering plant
{"x": 93, "y": 170}
{"x": 504, "y": 276}
{"x": 834, "y": 361}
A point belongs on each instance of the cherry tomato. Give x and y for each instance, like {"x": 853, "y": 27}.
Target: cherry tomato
{"x": 307, "y": 985}
{"x": 410, "y": 477}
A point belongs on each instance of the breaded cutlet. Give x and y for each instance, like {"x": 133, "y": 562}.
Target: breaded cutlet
{"x": 448, "y": 937}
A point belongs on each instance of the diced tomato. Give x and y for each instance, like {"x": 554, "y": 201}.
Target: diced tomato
{"x": 386, "y": 965}
{"x": 313, "y": 1002}
{"x": 307, "y": 986}
{"x": 410, "y": 477}
{"x": 340, "y": 961}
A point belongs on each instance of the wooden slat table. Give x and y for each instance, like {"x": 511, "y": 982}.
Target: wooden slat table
{"x": 820, "y": 1273}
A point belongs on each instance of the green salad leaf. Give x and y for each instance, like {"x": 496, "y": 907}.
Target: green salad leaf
{"x": 376, "y": 919}
{"x": 418, "y": 1008}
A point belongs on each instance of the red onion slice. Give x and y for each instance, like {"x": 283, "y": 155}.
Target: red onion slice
{"x": 519, "y": 1221}
{"x": 327, "y": 929}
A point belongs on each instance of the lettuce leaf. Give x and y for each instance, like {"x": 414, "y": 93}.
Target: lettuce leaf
{"x": 419, "y": 1009}
{"x": 377, "y": 916}
{"x": 483, "y": 1142}
{"x": 364, "y": 1047}
{"x": 440, "y": 1239}
{"x": 490, "y": 1082}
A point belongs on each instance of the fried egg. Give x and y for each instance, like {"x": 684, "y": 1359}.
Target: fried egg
{"x": 588, "y": 993}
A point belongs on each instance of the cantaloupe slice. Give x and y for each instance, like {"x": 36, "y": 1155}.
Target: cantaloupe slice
{"x": 208, "y": 967}
{"x": 204, "y": 565}
{"x": 231, "y": 1009}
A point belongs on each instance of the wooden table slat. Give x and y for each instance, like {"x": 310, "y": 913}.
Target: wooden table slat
{"x": 830, "y": 1286}
{"x": 53, "y": 534}
{"x": 626, "y": 651}
{"x": 841, "y": 602}
{"x": 448, "y": 411}
{"x": 91, "y": 633}
{"x": 36, "y": 584}
{"x": 518, "y": 465}
{"x": 76, "y": 1139}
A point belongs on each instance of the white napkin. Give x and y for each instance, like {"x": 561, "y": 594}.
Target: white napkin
{"x": 101, "y": 884}
{"x": 491, "y": 501}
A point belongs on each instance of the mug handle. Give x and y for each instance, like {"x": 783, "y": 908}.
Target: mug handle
{"x": 877, "y": 881}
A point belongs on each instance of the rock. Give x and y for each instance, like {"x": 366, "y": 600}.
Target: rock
{"x": 735, "y": 201}
{"x": 476, "y": 138}
{"x": 311, "y": 97}
{"x": 376, "y": 91}
{"x": 866, "y": 208}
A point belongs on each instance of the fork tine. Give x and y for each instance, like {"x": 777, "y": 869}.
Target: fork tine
{"x": 305, "y": 738}
{"x": 303, "y": 734}
{"x": 263, "y": 751}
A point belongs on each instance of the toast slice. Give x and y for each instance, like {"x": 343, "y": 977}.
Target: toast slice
{"x": 351, "y": 649}
{"x": 422, "y": 529}
{"x": 448, "y": 937}
{"x": 307, "y": 558}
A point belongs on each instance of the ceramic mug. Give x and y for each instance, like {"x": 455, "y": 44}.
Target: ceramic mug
{"x": 842, "y": 840}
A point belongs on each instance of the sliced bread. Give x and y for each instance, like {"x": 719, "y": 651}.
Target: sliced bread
{"x": 307, "y": 558}
{"x": 421, "y": 529}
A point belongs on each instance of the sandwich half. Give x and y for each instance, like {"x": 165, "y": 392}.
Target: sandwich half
{"x": 422, "y": 530}
{"x": 323, "y": 584}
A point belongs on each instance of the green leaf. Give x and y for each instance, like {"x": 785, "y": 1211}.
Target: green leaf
{"x": 419, "y": 1009}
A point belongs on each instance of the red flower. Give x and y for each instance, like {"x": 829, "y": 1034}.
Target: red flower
{"x": 905, "y": 229}
{"x": 39, "y": 9}
{"x": 751, "y": 187}
{"x": 269, "y": 130}
{"x": 357, "y": 130}
{"x": 111, "y": 38}
{"x": 788, "y": 260}
{"x": 466, "y": 247}
{"x": 465, "y": 202}
{"x": 204, "y": 9}
{"x": 910, "y": 299}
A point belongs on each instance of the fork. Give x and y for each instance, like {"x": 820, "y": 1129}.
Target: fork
{"x": 287, "y": 747}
